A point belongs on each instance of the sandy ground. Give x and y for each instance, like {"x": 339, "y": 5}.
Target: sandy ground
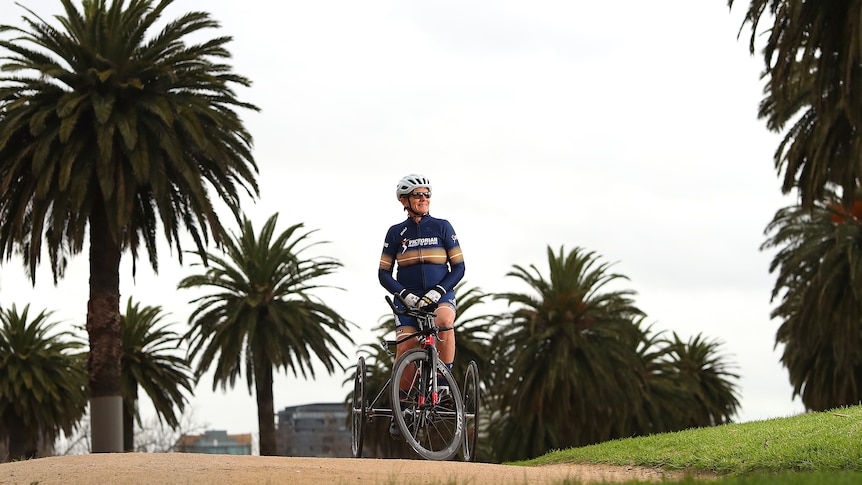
{"x": 180, "y": 468}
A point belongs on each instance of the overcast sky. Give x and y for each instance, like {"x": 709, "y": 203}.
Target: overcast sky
{"x": 627, "y": 128}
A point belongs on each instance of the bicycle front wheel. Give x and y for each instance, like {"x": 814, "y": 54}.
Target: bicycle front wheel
{"x": 359, "y": 415}
{"x": 434, "y": 430}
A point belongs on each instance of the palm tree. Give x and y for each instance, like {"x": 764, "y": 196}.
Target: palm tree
{"x": 105, "y": 135}
{"x": 149, "y": 361}
{"x": 819, "y": 285}
{"x": 263, "y": 315}
{"x": 812, "y": 60}
{"x": 42, "y": 381}
{"x": 666, "y": 400}
{"x": 568, "y": 350}
{"x": 706, "y": 374}
{"x": 686, "y": 385}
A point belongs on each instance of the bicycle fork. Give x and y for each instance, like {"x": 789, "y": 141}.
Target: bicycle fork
{"x": 428, "y": 375}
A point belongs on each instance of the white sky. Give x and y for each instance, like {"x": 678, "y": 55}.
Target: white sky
{"x": 628, "y": 128}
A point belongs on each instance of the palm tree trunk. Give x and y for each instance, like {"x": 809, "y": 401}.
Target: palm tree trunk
{"x": 106, "y": 344}
{"x": 265, "y": 409}
{"x": 128, "y": 428}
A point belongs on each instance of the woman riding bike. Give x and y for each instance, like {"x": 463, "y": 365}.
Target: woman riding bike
{"x": 427, "y": 255}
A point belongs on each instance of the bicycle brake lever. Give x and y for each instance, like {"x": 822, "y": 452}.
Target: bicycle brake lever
{"x": 394, "y": 308}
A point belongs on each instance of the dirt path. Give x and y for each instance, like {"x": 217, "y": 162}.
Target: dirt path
{"x": 190, "y": 469}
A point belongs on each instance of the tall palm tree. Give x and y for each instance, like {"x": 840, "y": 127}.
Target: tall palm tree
{"x": 263, "y": 315}
{"x": 569, "y": 353}
{"x": 109, "y": 135}
{"x": 812, "y": 60}
{"x": 42, "y": 381}
{"x": 150, "y": 362}
{"x": 819, "y": 285}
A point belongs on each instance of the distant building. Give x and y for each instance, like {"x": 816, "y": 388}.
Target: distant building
{"x": 314, "y": 430}
{"x": 216, "y": 442}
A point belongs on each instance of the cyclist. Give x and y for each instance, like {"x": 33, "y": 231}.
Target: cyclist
{"x": 429, "y": 264}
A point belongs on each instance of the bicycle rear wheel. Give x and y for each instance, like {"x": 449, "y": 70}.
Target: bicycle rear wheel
{"x": 359, "y": 414}
{"x": 471, "y": 412}
{"x": 434, "y": 430}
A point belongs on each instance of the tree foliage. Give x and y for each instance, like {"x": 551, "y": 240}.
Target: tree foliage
{"x": 43, "y": 382}
{"x": 568, "y": 348}
{"x": 152, "y": 362}
{"x": 813, "y": 78}
{"x": 573, "y": 365}
{"x": 97, "y": 116}
{"x": 819, "y": 293}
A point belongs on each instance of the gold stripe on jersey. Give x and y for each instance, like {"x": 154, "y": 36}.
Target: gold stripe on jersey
{"x": 426, "y": 255}
{"x": 455, "y": 255}
{"x": 386, "y": 262}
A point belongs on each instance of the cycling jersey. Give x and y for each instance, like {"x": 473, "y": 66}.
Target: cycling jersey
{"x": 426, "y": 253}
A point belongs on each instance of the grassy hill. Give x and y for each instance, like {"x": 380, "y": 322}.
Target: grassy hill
{"x": 815, "y": 448}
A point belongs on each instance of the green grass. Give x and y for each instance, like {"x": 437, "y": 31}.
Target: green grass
{"x": 826, "y": 447}
{"x": 784, "y": 478}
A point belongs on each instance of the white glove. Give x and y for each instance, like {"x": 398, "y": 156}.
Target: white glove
{"x": 410, "y": 298}
{"x": 433, "y": 296}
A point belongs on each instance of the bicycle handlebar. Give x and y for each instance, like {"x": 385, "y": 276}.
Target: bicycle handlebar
{"x": 409, "y": 311}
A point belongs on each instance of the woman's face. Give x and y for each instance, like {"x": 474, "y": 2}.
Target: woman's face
{"x": 419, "y": 200}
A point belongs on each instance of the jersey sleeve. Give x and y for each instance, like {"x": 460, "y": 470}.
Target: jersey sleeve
{"x": 387, "y": 265}
{"x": 456, "y": 258}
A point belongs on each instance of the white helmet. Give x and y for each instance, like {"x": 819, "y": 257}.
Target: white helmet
{"x": 408, "y": 183}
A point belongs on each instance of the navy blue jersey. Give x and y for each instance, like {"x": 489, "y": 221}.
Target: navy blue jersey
{"x": 427, "y": 254}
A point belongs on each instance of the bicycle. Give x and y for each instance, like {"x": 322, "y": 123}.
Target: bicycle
{"x": 434, "y": 424}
